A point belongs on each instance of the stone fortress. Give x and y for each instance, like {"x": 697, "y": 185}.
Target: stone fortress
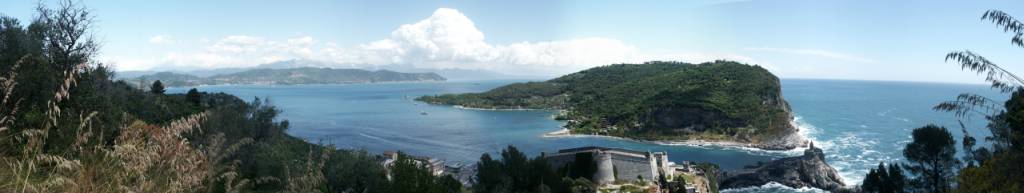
{"x": 614, "y": 164}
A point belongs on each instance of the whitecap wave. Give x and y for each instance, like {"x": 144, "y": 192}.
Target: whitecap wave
{"x": 771, "y": 187}
{"x": 848, "y": 153}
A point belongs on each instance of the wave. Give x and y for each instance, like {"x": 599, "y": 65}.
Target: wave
{"x": 771, "y": 187}
{"x": 497, "y": 109}
{"x": 848, "y": 152}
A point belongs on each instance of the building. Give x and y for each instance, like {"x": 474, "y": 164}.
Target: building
{"x": 614, "y": 164}
{"x": 435, "y": 166}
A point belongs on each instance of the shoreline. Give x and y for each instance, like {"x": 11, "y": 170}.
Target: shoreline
{"x": 496, "y": 109}
{"x": 799, "y": 141}
{"x": 794, "y": 143}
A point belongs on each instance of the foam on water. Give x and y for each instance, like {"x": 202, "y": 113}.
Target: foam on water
{"x": 771, "y": 187}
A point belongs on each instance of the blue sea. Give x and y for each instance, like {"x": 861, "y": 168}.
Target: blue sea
{"x": 857, "y": 123}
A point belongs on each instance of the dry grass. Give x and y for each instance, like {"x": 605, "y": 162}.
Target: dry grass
{"x": 311, "y": 179}
{"x": 144, "y": 158}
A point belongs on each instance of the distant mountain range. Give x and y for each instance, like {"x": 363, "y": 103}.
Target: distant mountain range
{"x": 288, "y": 76}
{"x": 449, "y": 74}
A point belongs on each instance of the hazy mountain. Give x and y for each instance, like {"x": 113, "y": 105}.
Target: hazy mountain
{"x": 304, "y": 75}
{"x": 449, "y": 74}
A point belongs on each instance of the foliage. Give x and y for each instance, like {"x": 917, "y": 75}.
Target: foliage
{"x": 408, "y": 176}
{"x": 1001, "y": 173}
{"x": 654, "y": 100}
{"x": 995, "y": 169}
{"x": 517, "y": 173}
{"x": 885, "y": 180}
{"x": 157, "y": 88}
{"x": 931, "y": 156}
{"x": 583, "y": 166}
{"x": 66, "y": 126}
{"x": 193, "y": 96}
{"x": 711, "y": 171}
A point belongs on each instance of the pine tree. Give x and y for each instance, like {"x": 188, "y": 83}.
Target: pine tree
{"x": 871, "y": 182}
{"x": 193, "y": 96}
{"x": 932, "y": 154}
{"x": 896, "y": 181}
{"x": 157, "y": 87}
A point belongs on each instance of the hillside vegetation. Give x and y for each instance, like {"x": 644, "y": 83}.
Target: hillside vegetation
{"x": 719, "y": 100}
{"x": 66, "y": 126}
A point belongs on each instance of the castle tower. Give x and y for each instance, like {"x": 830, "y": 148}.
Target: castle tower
{"x": 605, "y": 169}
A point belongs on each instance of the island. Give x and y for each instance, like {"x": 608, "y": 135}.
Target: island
{"x": 289, "y": 76}
{"x": 721, "y": 102}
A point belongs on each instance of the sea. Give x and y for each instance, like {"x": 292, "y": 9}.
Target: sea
{"x": 858, "y": 124}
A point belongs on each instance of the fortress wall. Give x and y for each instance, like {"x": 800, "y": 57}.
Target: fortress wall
{"x": 629, "y": 167}
{"x": 560, "y": 160}
{"x": 615, "y": 164}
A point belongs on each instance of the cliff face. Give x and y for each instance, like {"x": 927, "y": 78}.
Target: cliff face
{"x": 809, "y": 170}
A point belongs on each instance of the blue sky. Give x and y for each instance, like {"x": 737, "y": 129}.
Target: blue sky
{"x": 868, "y": 40}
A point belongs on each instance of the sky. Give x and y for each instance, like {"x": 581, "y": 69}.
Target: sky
{"x": 819, "y": 39}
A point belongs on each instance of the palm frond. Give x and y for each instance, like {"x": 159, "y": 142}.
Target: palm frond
{"x": 1000, "y": 78}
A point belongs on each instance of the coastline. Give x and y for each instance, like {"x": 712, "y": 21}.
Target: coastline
{"x": 497, "y": 109}
{"x": 794, "y": 143}
{"x": 796, "y": 140}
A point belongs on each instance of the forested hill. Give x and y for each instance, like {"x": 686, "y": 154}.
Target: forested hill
{"x": 303, "y": 75}
{"x": 722, "y": 100}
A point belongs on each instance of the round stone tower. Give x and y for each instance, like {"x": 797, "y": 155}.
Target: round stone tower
{"x": 605, "y": 169}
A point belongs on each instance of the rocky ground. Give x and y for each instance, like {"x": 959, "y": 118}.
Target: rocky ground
{"x": 809, "y": 170}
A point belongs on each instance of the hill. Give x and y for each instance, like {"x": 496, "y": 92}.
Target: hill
{"x": 290, "y": 76}
{"x": 719, "y": 101}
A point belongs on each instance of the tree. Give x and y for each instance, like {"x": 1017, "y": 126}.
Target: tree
{"x": 410, "y": 176}
{"x": 872, "y": 181}
{"x": 897, "y": 182}
{"x": 157, "y": 87}
{"x": 517, "y": 173}
{"x": 884, "y": 180}
{"x": 193, "y": 96}
{"x": 679, "y": 186}
{"x": 68, "y": 34}
{"x": 998, "y": 168}
{"x": 583, "y": 166}
{"x": 932, "y": 154}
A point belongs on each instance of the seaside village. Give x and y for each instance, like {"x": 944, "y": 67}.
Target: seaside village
{"x": 618, "y": 170}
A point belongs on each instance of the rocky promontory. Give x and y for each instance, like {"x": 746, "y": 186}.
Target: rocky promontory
{"x": 719, "y": 102}
{"x": 809, "y": 170}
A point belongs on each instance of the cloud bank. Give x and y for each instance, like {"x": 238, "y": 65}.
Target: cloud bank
{"x": 445, "y": 40}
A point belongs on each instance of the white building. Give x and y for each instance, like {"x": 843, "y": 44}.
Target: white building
{"x": 435, "y": 166}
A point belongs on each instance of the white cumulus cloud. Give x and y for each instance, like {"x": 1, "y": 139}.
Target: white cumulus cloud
{"x": 161, "y": 39}
{"x": 446, "y": 39}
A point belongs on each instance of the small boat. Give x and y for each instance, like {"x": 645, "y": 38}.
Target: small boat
{"x": 423, "y": 113}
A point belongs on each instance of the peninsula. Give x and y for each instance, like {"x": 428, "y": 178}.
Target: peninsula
{"x": 721, "y": 102}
